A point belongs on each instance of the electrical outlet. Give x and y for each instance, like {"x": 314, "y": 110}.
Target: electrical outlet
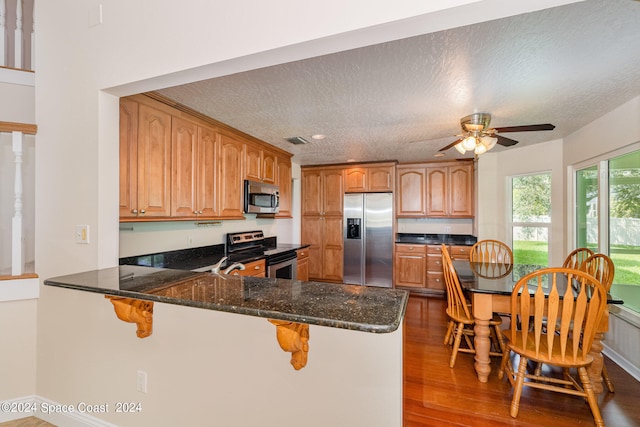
{"x": 447, "y": 230}
{"x": 82, "y": 234}
{"x": 141, "y": 381}
{"x": 189, "y": 241}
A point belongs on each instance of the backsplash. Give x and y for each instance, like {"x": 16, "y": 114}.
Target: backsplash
{"x": 435, "y": 226}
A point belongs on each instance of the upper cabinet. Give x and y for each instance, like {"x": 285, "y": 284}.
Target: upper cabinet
{"x": 260, "y": 164}
{"x": 145, "y": 156}
{"x": 435, "y": 190}
{"x": 372, "y": 178}
{"x": 177, "y": 164}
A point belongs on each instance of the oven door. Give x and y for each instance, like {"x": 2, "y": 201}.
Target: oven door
{"x": 283, "y": 266}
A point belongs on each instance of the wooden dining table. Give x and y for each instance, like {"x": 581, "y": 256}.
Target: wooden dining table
{"x": 489, "y": 288}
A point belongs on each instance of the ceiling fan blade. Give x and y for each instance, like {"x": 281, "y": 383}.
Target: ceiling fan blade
{"x": 506, "y": 142}
{"x": 525, "y": 128}
{"x": 450, "y": 145}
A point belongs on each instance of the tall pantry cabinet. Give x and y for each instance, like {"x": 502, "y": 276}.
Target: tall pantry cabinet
{"x": 322, "y": 200}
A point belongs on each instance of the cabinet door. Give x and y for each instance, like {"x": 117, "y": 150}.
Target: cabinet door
{"x": 184, "y": 151}
{"x": 154, "y": 162}
{"x": 268, "y": 167}
{"x": 311, "y": 192}
{"x": 333, "y": 248}
{"x": 380, "y": 179}
{"x": 128, "y": 158}
{"x": 230, "y": 178}
{"x": 461, "y": 191}
{"x": 410, "y": 197}
{"x": 312, "y": 235}
{"x": 332, "y": 192}
{"x": 411, "y": 269}
{"x": 437, "y": 192}
{"x": 253, "y": 163}
{"x": 283, "y": 181}
{"x": 355, "y": 180}
{"x": 206, "y": 203}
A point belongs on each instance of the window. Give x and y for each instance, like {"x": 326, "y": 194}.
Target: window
{"x": 608, "y": 219}
{"x": 531, "y": 218}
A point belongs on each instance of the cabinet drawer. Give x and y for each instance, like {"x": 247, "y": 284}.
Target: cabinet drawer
{"x": 434, "y": 249}
{"x": 434, "y": 263}
{"x": 411, "y": 248}
{"x": 255, "y": 268}
{"x": 435, "y": 280}
{"x": 302, "y": 253}
{"x": 460, "y": 252}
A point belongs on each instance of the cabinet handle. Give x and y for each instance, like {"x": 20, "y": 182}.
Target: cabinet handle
{"x": 257, "y": 267}
{"x": 142, "y": 211}
{"x": 135, "y": 211}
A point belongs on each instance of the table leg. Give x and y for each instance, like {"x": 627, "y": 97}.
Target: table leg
{"x": 595, "y": 369}
{"x": 482, "y": 313}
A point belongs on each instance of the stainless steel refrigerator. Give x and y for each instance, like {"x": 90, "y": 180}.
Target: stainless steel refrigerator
{"x": 368, "y": 239}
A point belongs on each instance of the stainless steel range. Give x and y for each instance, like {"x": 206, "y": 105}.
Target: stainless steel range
{"x": 251, "y": 245}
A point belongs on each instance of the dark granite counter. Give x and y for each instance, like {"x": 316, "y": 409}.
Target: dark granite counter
{"x": 360, "y": 308}
{"x": 436, "y": 239}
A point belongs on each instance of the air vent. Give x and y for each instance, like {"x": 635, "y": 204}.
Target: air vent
{"x": 297, "y": 140}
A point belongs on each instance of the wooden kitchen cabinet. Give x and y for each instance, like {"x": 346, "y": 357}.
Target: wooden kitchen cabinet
{"x": 410, "y": 265}
{"x": 145, "y": 156}
{"x": 435, "y": 190}
{"x": 450, "y": 190}
{"x": 321, "y": 228}
{"x": 435, "y": 274}
{"x": 284, "y": 183}
{"x": 260, "y": 164}
{"x": 369, "y": 179}
{"x": 230, "y": 178}
{"x": 193, "y": 178}
{"x": 302, "y": 263}
{"x": 410, "y": 197}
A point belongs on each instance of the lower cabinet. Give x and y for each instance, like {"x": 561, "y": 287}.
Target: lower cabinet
{"x": 419, "y": 266}
{"x": 302, "y": 272}
{"x": 255, "y": 269}
{"x": 410, "y": 265}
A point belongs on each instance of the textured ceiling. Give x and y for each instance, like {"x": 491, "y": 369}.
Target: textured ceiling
{"x": 403, "y": 100}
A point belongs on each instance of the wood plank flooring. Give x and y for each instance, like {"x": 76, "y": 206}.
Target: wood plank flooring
{"x": 27, "y": 422}
{"x": 435, "y": 395}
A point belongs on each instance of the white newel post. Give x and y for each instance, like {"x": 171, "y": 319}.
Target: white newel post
{"x": 3, "y": 31}
{"x": 17, "y": 264}
{"x": 18, "y": 42}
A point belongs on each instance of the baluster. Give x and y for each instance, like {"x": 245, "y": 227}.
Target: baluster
{"x": 17, "y": 264}
{"x": 18, "y": 42}
{"x": 33, "y": 38}
{"x": 3, "y": 32}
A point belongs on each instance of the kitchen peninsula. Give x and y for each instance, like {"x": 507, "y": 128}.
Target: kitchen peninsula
{"x": 291, "y": 304}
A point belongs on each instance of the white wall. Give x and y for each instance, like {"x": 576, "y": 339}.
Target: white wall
{"x": 494, "y": 169}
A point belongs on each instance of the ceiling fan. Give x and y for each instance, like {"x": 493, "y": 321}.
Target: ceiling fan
{"x": 478, "y": 137}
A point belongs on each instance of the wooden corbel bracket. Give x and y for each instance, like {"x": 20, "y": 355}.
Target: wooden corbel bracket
{"x": 134, "y": 311}
{"x": 293, "y": 338}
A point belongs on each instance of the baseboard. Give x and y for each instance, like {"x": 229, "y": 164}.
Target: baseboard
{"x": 619, "y": 360}
{"x": 49, "y": 411}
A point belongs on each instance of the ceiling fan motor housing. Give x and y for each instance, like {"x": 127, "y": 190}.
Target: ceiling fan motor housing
{"x": 476, "y": 122}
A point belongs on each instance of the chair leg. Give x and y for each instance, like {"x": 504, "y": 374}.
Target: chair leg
{"x": 591, "y": 396}
{"x": 517, "y": 388}
{"x": 607, "y": 380}
{"x": 456, "y": 344}
{"x": 503, "y": 364}
{"x": 447, "y": 336}
{"x": 501, "y": 343}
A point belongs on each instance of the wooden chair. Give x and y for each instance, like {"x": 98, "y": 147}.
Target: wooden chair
{"x": 576, "y": 258}
{"x": 601, "y": 267}
{"x": 491, "y": 251}
{"x": 461, "y": 320}
{"x": 577, "y": 310}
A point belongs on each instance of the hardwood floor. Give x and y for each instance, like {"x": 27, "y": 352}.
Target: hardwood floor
{"x": 435, "y": 395}
{"x": 27, "y": 422}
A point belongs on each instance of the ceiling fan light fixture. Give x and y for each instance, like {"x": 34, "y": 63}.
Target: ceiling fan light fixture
{"x": 469, "y": 143}
{"x": 480, "y": 149}
{"x": 460, "y": 148}
{"x": 488, "y": 142}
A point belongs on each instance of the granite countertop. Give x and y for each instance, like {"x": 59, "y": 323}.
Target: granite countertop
{"x": 436, "y": 239}
{"x": 359, "y": 308}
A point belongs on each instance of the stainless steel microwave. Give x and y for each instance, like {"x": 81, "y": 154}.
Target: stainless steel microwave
{"x": 260, "y": 197}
